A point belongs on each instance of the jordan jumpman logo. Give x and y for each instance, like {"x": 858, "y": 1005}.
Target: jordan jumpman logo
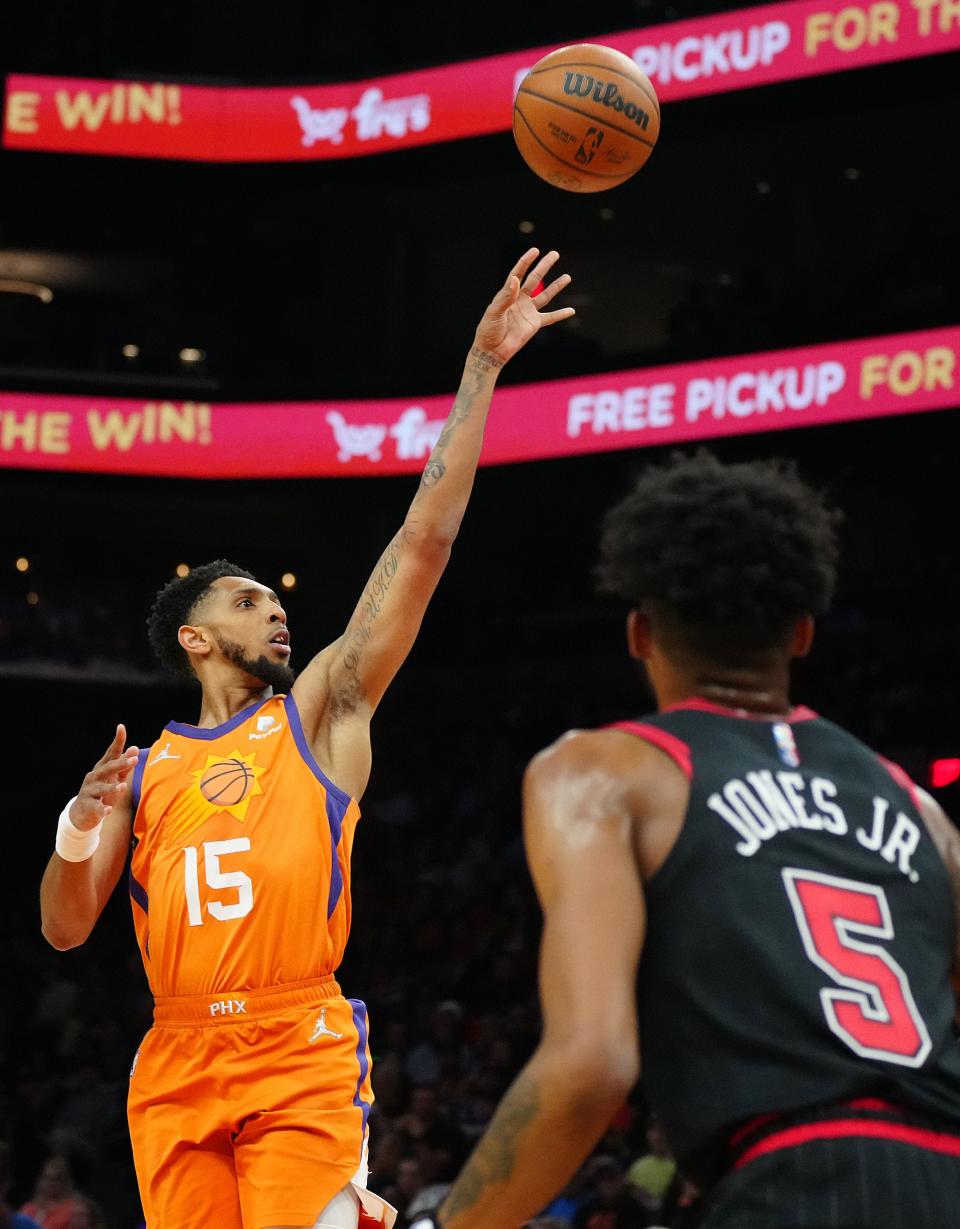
{"x": 320, "y": 1028}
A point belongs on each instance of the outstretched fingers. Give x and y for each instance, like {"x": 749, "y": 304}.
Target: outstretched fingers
{"x": 521, "y": 268}
{"x": 539, "y": 271}
{"x": 118, "y": 769}
{"x": 550, "y": 292}
{"x": 108, "y": 779}
{"x": 563, "y": 313}
{"x": 116, "y": 745}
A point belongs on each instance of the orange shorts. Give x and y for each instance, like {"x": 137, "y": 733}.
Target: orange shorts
{"x": 249, "y": 1109}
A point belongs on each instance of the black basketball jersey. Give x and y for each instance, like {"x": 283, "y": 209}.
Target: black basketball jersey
{"x": 799, "y": 937}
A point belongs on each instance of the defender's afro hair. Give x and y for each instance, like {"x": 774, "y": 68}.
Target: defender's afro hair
{"x": 725, "y": 558}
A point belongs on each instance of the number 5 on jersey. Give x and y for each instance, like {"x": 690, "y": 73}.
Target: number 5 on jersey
{"x": 216, "y": 879}
{"x": 873, "y": 1011}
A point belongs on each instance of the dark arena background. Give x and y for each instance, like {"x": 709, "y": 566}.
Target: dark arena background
{"x": 779, "y": 215}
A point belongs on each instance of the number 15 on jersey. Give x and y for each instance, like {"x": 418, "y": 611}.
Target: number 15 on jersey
{"x": 216, "y": 879}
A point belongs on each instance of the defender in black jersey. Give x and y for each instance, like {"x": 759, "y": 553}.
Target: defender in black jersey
{"x": 788, "y": 897}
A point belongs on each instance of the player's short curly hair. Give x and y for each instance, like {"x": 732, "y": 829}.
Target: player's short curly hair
{"x": 175, "y": 604}
{"x": 725, "y": 558}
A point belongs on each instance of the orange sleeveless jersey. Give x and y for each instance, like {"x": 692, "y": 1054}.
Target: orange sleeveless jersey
{"x": 240, "y": 873}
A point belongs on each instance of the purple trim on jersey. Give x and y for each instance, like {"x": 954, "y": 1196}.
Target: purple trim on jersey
{"x": 335, "y": 813}
{"x": 296, "y": 726}
{"x": 668, "y": 743}
{"x": 698, "y": 704}
{"x": 337, "y": 801}
{"x": 196, "y": 731}
{"x": 138, "y": 892}
{"x": 136, "y": 781}
{"x": 360, "y": 1023}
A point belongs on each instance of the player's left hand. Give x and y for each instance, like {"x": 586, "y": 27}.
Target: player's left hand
{"x": 516, "y": 313}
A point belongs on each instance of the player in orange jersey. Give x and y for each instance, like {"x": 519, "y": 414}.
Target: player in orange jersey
{"x": 249, "y": 1097}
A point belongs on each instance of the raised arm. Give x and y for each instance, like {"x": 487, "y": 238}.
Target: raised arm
{"x": 73, "y": 893}
{"x": 578, "y": 827}
{"x": 351, "y": 675}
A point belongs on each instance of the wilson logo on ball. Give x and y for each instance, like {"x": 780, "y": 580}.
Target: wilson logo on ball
{"x": 582, "y": 85}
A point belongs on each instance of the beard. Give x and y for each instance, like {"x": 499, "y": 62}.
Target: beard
{"x": 271, "y": 673}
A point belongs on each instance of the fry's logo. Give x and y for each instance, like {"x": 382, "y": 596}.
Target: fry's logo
{"x": 374, "y": 117}
{"x": 414, "y": 433}
{"x": 320, "y": 125}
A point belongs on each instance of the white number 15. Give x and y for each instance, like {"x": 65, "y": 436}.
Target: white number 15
{"x": 216, "y": 878}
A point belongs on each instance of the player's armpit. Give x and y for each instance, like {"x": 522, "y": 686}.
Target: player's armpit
{"x": 945, "y": 836}
{"x": 579, "y": 802}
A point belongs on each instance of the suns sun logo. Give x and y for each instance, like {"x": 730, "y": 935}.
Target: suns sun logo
{"x": 225, "y": 783}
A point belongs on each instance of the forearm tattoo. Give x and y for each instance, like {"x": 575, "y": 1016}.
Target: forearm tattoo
{"x": 478, "y": 365}
{"x": 433, "y": 473}
{"x": 495, "y": 1158}
{"x": 484, "y": 361}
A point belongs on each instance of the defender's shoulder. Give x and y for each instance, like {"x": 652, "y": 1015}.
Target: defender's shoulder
{"x": 604, "y": 762}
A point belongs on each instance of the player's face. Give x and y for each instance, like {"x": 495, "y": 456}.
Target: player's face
{"x": 250, "y": 628}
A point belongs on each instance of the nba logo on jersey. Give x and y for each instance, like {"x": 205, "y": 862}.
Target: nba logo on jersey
{"x": 786, "y": 747}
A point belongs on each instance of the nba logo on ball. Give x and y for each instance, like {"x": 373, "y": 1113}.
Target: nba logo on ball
{"x": 589, "y": 146}
{"x": 586, "y": 118}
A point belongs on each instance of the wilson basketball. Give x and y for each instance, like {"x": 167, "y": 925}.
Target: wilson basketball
{"x": 225, "y": 782}
{"x": 586, "y": 118}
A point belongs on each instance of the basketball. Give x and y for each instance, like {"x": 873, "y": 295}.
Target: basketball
{"x": 586, "y": 118}
{"x": 225, "y": 783}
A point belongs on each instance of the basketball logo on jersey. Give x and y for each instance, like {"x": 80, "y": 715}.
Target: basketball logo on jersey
{"x": 225, "y": 783}
{"x": 786, "y": 744}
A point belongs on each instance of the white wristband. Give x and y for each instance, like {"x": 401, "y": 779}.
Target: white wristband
{"x": 74, "y": 844}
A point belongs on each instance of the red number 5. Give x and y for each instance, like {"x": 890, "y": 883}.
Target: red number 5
{"x": 873, "y": 1012}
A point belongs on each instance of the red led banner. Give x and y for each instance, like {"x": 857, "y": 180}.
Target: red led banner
{"x": 813, "y": 386}
{"x": 709, "y": 55}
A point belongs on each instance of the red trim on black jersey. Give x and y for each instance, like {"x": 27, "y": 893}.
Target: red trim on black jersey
{"x": 846, "y": 1128}
{"x": 876, "y": 1104}
{"x": 675, "y": 747}
{"x": 700, "y": 705}
{"x": 748, "y": 1128}
{"x": 902, "y": 779}
{"x": 752, "y": 1126}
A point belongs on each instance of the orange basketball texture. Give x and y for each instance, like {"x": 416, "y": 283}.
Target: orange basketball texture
{"x": 225, "y": 783}
{"x": 586, "y": 118}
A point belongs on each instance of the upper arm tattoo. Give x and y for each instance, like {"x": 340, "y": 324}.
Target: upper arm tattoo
{"x": 349, "y": 695}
